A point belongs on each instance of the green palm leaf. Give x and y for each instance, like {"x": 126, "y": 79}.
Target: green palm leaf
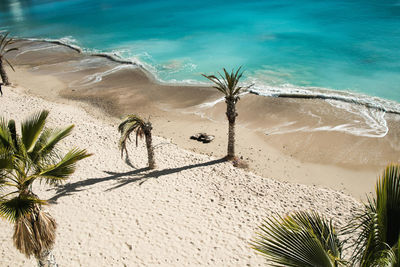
{"x": 3, "y": 42}
{"x": 14, "y": 208}
{"x": 59, "y": 172}
{"x": 5, "y": 135}
{"x": 6, "y": 159}
{"x": 301, "y": 239}
{"x": 227, "y": 83}
{"x": 377, "y": 226}
{"x": 31, "y": 128}
{"x": 47, "y": 141}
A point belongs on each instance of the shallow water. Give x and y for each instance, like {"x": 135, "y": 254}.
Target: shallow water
{"x": 284, "y": 45}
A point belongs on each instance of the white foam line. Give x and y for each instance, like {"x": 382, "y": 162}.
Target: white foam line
{"x": 345, "y": 128}
{"x": 98, "y": 77}
{"x": 213, "y": 103}
{"x": 36, "y": 49}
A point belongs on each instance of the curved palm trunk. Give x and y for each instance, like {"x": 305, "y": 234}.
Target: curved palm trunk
{"x": 47, "y": 259}
{"x": 149, "y": 146}
{"x": 3, "y": 74}
{"x": 231, "y": 114}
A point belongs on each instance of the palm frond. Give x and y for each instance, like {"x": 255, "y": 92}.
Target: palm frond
{"x": 6, "y": 159}
{"x": 377, "y": 226}
{"x": 35, "y": 233}
{"x": 132, "y": 118}
{"x": 5, "y": 135}
{"x": 3, "y": 41}
{"x": 59, "y": 172}
{"x": 221, "y": 86}
{"x": 47, "y": 141}
{"x": 388, "y": 202}
{"x": 31, "y": 128}
{"x": 24, "y": 237}
{"x": 10, "y": 50}
{"x": 227, "y": 83}
{"x": 301, "y": 239}
{"x": 17, "y": 207}
{"x": 13, "y": 134}
{"x": 45, "y": 232}
{"x": 9, "y": 64}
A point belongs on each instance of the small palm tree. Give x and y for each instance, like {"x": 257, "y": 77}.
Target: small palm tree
{"x": 4, "y": 43}
{"x": 25, "y": 158}
{"x": 133, "y": 123}
{"x": 306, "y": 239}
{"x": 301, "y": 239}
{"x": 228, "y": 85}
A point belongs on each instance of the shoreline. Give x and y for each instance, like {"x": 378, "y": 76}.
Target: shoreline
{"x": 328, "y": 158}
{"x": 330, "y": 94}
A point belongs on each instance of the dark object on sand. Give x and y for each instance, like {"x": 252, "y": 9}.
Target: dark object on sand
{"x": 1, "y": 92}
{"x": 203, "y": 137}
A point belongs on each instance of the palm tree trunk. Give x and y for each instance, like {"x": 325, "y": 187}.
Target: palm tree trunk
{"x": 231, "y": 114}
{"x": 47, "y": 259}
{"x": 3, "y": 74}
{"x": 231, "y": 140}
{"x": 150, "y": 149}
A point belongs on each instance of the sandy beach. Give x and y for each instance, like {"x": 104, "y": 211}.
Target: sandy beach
{"x": 194, "y": 209}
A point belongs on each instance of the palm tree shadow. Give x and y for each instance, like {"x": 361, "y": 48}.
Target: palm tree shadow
{"x": 124, "y": 178}
{"x": 70, "y": 188}
{"x": 158, "y": 173}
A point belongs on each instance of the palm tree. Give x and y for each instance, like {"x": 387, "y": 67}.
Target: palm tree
{"x": 301, "y": 239}
{"x": 4, "y": 43}
{"x": 378, "y": 225}
{"x": 228, "y": 85}
{"x": 306, "y": 239}
{"x": 24, "y": 158}
{"x": 133, "y": 123}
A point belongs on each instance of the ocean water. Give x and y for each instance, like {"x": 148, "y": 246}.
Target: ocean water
{"x": 295, "y": 45}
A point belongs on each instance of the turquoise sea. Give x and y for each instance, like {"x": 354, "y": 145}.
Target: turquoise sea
{"x": 284, "y": 45}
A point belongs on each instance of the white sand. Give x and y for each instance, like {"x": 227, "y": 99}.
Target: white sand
{"x": 192, "y": 211}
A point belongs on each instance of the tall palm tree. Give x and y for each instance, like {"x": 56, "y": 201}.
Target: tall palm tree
{"x": 300, "y": 240}
{"x": 378, "y": 225}
{"x": 24, "y": 158}
{"x": 133, "y": 123}
{"x": 296, "y": 241}
{"x": 228, "y": 85}
{"x": 4, "y": 50}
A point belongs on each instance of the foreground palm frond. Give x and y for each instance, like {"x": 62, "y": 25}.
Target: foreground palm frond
{"x": 300, "y": 239}
{"x": 133, "y": 123}
{"x": 378, "y": 224}
{"x": 25, "y": 158}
